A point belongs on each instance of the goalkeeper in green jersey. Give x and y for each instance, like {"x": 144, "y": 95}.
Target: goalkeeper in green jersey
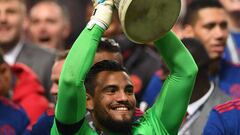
{"x": 106, "y": 91}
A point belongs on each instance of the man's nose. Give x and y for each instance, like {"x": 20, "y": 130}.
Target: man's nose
{"x": 3, "y": 17}
{"x": 121, "y": 96}
{"x": 221, "y": 33}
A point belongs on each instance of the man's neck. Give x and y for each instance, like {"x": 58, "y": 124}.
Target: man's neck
{"x": 214, "y": 67}
{"x": 7, "y": 48}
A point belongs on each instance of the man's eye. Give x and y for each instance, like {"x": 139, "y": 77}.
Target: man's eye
{"x": 12, "y": 11}
{"x": 34, "y": 21}
{"x": 110, "y": 89}
{"x": 210, "y": 26}
{"x": 51, "y": 21}
{"x": 129, "y": 89}
{"x": 224, "y": 25}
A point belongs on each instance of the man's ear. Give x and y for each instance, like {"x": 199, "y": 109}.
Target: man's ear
{"x": 89, "y": 102}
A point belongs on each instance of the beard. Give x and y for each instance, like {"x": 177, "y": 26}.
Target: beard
{"x": 9, "y": 44}
{"x": 115, "y": 126}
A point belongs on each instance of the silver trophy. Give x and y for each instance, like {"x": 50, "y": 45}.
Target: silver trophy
{"x": 144, "y": 21}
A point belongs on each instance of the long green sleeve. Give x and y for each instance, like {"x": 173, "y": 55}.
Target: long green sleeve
{"x": 71, "y": 104}
{"x": 170, "y": 107}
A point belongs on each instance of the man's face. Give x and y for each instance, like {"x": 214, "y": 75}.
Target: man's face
{"x": 47, "y": 25}
{"x": 114, "y": 100}
{"x": 231, "y": 6}
{"x": 211, "y": 29}
{"x": 12, "y": 13}
{"x": 56, "y": 71}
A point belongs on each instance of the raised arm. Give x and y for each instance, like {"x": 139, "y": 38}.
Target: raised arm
{"x": 171, "y": 105}
{"x": 71, "y": 104}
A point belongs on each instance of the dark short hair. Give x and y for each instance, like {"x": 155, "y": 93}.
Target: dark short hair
{"x": 109, "y": 45}
{"x": 193, "y": 8}
{"x": 105, "y": 45}
{"x": 197, "y": 50}
{"x": 105, "y": 65}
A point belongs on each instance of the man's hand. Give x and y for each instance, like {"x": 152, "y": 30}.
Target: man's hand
{"x": 102, "y": 14}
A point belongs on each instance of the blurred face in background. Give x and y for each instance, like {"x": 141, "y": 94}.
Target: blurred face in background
{"x": 211, "y": 29}
{"x": 12, "y": 16}
{"x": 56, "y": 71}
{"x": 48, "y": 27}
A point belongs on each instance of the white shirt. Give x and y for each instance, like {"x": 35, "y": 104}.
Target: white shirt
{"x": 193, "y": 107}
{"x": 11, "y": 56}
{"x": 194, "y": 112}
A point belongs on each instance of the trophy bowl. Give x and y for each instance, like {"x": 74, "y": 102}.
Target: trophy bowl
{"x": 144, "y": 21}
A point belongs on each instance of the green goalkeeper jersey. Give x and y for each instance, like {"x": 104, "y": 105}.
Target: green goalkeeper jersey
{"x": 163, "y": 118}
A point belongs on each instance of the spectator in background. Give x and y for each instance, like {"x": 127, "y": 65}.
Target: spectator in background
{"x": 232, "y": 51}
{"x": 77, "y": 13}
{"x": 224, "y": 119}
{"x": 12, "y": 24}
{"x": 206, "y": 20}
{"x": 230, "y": 67}
{"x": 212, "y": 30}
{"x": 49, "y": 25}
{"x": 21, "y": 86}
